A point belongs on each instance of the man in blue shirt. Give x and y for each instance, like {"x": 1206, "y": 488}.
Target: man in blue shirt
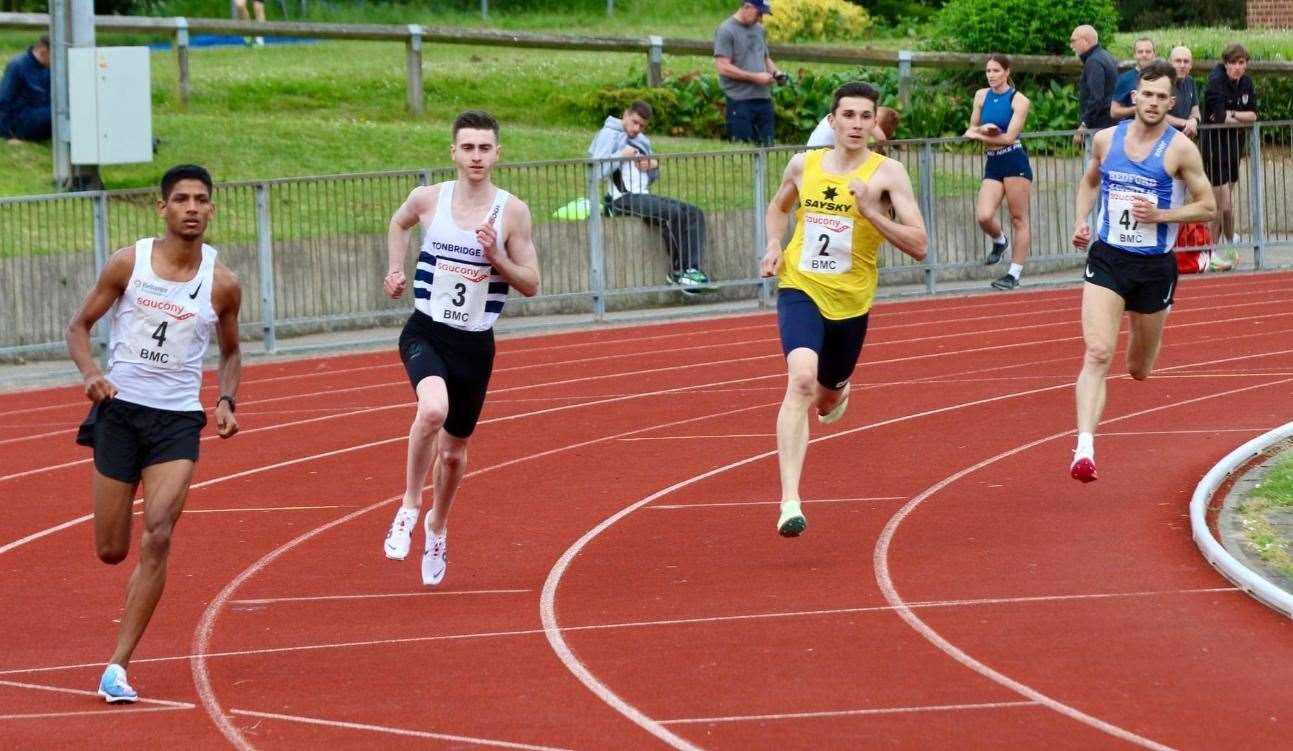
{"x": 1121, "y": 107}
{"x": 24, "y": 95}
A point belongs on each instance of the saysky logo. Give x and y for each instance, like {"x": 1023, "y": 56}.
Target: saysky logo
{"x": 830, "y": 193}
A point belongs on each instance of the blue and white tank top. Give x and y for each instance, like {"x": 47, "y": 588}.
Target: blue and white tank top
{"x": 160, "y": 332}
{"x": 998, "y": 109}
{"x": 454, "y": 284}
{"x": 1123, "y": 180}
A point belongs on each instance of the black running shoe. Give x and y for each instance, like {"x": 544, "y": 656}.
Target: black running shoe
{"x": 998, "y": 250}
{"x": 1006, "y": 282}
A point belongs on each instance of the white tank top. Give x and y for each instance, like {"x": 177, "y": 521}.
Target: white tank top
{"x": 454, "y": 284}
{"x": 160, "y": 332}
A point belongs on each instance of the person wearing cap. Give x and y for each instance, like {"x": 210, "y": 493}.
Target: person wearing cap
{"x": 746, "y": 74}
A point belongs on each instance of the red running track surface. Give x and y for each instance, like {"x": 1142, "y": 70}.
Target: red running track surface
{"x": 616, "y": 577}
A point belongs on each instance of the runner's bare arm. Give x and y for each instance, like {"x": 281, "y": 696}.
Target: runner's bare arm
{"x": 109, "y": 287}
{"x": 226, "y": 298}
{"x": 1088, "y": 188}
{"x": 420, "y": 200}
{"x": 777, "y": 217}
{"x": 516, "y": 260}
{"x": 1189, "y": 169}
{"x": 907, "y": 231}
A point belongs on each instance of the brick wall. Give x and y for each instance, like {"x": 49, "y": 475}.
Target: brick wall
{"x": 1270, "y": 14}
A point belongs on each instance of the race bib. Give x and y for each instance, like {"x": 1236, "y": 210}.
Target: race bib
{"x": 159, "y": 333}
{"x": 828, "y": 244}
{"x": 1124, "y": 230}
{"x": 458, "y": 293}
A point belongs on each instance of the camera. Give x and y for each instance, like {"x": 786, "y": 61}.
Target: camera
{"x": 781, "y": 78}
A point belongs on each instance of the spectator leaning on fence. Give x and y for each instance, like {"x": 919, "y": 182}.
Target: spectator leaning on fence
{"x": 746, "y": 74}
{"x": 1228, "y": 99}
{"x": 1095, "y": 87}
{"x": 886, "y": 124}
{"x": 1185, "y": 113}
{"x": 1121, "y": 107}
{"x": 629, "y": 194}
{"x": 24, "y": 95}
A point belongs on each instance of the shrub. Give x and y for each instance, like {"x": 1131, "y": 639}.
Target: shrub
{"x": 1156, "y": 14}
{"x": 1017, "y": 27}
{"x": 816, "y": 21}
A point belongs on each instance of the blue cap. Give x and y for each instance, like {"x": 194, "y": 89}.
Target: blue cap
{"x": 761, "y": 6}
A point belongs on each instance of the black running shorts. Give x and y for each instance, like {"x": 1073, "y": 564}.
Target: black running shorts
{"x": 464, "y": 359}
{"x": 1145, "y": 283}
{"x": 838, "y": 344}
{"x": 127, "y": 437}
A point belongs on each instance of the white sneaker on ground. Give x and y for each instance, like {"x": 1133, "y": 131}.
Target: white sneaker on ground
{"x": 400, "y": 536}
{"x": 792, "y": 522}
{"x": 436, "y": 557}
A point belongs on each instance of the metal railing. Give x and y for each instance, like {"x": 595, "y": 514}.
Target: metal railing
{"x": 311, "y": 252}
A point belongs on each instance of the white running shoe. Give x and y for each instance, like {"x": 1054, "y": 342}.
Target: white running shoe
{"x": 400, "y": 536}
{"x": 435, "y": 560}
{"x": 792, "y": 522}
{"x": 840, "y": 407}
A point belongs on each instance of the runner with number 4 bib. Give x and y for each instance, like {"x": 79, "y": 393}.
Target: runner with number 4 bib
{"x": 164, "y": 297}
{"x": 1142, "y": 169}
{"x": 827, "y": 275}
{"x": 476, "y": 245}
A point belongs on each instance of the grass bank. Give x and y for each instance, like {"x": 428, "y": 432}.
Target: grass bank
{"x": 1264, "y": 514}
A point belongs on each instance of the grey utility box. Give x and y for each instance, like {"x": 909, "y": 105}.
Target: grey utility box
{"x": 110, "y": 105}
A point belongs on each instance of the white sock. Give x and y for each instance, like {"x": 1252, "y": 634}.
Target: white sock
{"x": 1000, "y": 239}
{"x": 1016, "y": 270}
{"x": 1085, "y": 446}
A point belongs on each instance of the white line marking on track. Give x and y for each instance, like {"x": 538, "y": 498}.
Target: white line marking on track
{"x": 437, "y": 593}
{"x": 880, "y": 563}
{"x": 687, "y": 437}
{"x": 81, "y": 692}
{"x": 850, "y": 712}
{"x": 392, "y": 731}
{"x": 116, "y": 712}
{"x": 1186, "y": 432}
{"x": 262, "y": 509}
{"x": 806, "y": 501}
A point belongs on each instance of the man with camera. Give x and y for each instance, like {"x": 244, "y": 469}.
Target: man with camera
{"x": 746, "y": 74}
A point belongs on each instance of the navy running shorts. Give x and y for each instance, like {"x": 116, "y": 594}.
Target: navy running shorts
{"x": 1144, "y": 282}
{"x": 838, "y": 344}
{"x": 1009, "y": 161}
{"x": 127, "y": 437}
{"x": 464, "y": 359}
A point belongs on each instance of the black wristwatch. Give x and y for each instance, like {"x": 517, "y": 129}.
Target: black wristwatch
{"x": 233, "y": 406}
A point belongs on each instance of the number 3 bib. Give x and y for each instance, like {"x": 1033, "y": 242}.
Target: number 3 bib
{"x": 458, "y": 292}
{"x": 1124, "y": 230}
{"x": 828, "y": 244}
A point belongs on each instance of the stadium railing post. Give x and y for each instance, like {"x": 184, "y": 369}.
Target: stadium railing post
{"x": 760, "y": 230}
{"x": 904, "y": 79}
{"x": 265, "y": 255}
{"x": 416, "y": 95}
{"x": 182, "y": 57}
{"x": 1256, "y": 193}
{"x": 928, "y": 207}
{"x": 103, "y": 329}
{"x": 655, "y": 61}
{"x": 596, "y": 247}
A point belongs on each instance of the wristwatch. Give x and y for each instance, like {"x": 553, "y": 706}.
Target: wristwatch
{"x": 233, "y": 406}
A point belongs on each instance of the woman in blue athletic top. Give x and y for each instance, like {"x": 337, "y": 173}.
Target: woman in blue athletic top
{"x": 999, "y": 116}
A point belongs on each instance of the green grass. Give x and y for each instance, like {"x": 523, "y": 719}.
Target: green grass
{"x": 1208, "y": 42}
{"x": 1274, "y": 495}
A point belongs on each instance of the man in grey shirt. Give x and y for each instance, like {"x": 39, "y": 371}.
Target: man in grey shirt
{"x": 1099, "y": 76}
{"x": 746, "y": 74}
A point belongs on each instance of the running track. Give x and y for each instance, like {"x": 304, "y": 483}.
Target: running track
{"x": 615, "y": 576}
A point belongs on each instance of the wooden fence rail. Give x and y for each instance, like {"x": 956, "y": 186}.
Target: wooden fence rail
{"x": 415, "y": 36}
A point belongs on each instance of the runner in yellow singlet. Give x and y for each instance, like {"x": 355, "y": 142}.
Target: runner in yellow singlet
{"x": 827, "y": 275}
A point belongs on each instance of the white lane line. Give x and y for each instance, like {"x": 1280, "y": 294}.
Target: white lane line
{"x": 392, "y": 731}
{"x": 262, "y": 509}
{"x": 437, "y": 593}
{"x": 80, "y": 692}
{"x": 806, "y": 501}
{"x": 1186, "y": 432}
{"x": 703, "y": 437}
{"x": 880, "y": 563}
{"x": 850, "y": 712}
{"x": 116, "y": 712}
{"x": 66, "y": 430}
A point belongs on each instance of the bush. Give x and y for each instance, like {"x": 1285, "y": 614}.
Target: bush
{"x": 816, "y": 21}
{"x": 1155, "y": 14}
{"x": 1019, "y": 27}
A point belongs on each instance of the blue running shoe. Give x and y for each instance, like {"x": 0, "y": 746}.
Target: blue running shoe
{"x": 113, "y": 687}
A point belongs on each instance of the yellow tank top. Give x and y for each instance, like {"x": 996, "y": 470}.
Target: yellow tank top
{"x": 832, "y": 256}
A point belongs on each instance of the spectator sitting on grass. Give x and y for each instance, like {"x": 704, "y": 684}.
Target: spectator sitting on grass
{"x": 25, "y": 113}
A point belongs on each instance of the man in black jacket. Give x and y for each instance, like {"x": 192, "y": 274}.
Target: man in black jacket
{"x": 1095, "y": 88}
{"x": 1228, "y": 99}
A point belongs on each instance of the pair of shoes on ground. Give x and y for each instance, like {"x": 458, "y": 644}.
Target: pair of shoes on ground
{"x": 399, "y": 538}
{"x": 113, "y": 686}
{"x": 690, "y": 281}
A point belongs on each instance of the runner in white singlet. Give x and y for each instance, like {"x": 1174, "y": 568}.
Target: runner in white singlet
{"x": 165, "y": 297}
{"x": 476, "y": 246}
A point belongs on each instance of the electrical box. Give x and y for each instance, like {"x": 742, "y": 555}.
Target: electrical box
{"x": 110, "y": 105}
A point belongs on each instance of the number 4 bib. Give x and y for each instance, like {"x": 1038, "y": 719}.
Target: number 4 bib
{"x": 828, "y": 244}
{"x": 1124, "y": 229}
{"x": 458, "y": 293}
{"x": 160, "y": 338}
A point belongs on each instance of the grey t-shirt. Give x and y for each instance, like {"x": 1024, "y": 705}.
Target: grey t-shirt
{"x": 748, "y": 50}
{"x": 1187, "y": 96}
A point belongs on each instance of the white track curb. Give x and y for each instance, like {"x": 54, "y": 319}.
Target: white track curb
{"x": 1242, "y": 576}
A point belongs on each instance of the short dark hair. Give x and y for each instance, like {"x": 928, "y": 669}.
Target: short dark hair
{"x": 855, "y": 89}
{"x": 474, "y": 120}
{"x": 184, "y": 172}
{"x": 1235, "y": 52}
{"x": 1158, "y": 69}
{"x": 641, "y": 109}
{"x": 43, "y": 41}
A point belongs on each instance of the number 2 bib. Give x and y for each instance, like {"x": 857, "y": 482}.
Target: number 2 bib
{"x": 458, "y": 292}
{"x": 1124, "y": 229}
{"x": 160, "y": 333}
{"x": 828, "y": 244}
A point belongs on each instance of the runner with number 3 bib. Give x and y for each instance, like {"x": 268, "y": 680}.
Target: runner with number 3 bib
{"x": 827, "y": 275}
{"x": 476, "y": 245}
{"x": 1142, "y": 169}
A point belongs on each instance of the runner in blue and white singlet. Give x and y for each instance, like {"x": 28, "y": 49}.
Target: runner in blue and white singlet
{"x": 1140, "y": 172}
{"x": 164, "y": 297}
{"x": 476, "y": 246}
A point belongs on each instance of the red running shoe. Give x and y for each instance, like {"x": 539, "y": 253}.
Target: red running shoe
{"x": 1083, "y": 469}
